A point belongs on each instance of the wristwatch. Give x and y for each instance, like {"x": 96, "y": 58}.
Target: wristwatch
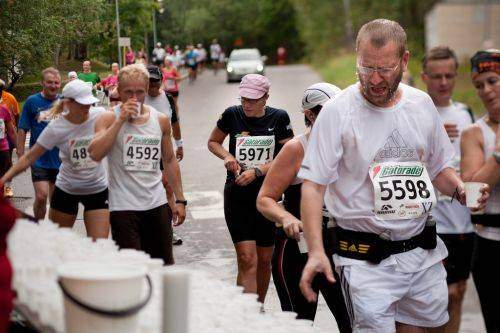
{"x": 496, "y": 156}
{"x": 258, "y": 173}
{"x": 184, "y": 202}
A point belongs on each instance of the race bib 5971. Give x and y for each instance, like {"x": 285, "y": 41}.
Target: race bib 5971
{"x": 141, "y": 152}
{"x": 252, "y": 151}
{"x": 402, "y": 190}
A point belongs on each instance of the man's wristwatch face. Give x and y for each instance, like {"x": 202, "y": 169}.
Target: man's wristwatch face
{"x": 184, "y": 202}
{"x": 496, "y": 156}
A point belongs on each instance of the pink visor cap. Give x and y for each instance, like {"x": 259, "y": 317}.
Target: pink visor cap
{"x": 254, "y": 86}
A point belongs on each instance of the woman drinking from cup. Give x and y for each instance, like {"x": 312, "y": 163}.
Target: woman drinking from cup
{"x": 80, "y": 178}
{"x": 480, "y": 146}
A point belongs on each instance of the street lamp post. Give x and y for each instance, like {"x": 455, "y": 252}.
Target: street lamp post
{"x": 118, "y": 32}
{"x": 154, "y": 26}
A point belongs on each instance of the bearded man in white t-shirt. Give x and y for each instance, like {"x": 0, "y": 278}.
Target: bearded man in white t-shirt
{"x": 375, "y": 154}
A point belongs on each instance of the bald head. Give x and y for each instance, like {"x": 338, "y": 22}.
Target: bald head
{"x": 380, "y": 32}
{"x": 86, "y": 66}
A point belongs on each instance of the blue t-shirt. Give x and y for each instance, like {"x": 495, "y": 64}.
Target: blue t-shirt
{"x": 34, "y": 106}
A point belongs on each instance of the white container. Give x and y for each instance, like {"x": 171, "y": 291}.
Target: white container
{"x": 175, "y": 300}
{"x": 472, "y": 193}
{"x": 110, "y": 289}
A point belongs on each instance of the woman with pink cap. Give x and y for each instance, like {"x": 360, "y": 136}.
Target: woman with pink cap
{"x": 80, "y": 179}
{"x": 256, "y": 135}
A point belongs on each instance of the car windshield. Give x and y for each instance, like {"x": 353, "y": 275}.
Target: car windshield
{"x": 246, "y": 55}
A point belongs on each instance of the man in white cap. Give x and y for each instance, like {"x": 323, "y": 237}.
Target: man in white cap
{"x": 256, "y": 134}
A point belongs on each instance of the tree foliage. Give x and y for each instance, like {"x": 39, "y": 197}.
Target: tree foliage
{"x": 265, "y": 24}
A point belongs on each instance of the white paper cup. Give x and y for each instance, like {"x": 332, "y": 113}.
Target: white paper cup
{"x": 472, "y": 193}
{"x": 138, "y": 110}
{"x": 302, "y": 244}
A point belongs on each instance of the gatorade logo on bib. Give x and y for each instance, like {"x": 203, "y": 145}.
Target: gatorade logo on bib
{"x": 141, "y": 152}
{"x": 79, "y": 153}
{"x": 2, "y": 129}
{"x": 252, "y": 151}
{"x": 402, "y": 190}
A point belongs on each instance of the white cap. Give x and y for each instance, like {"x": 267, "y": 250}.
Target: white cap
{"x": 80, "y": 91}
{"x": 318, "y": 94}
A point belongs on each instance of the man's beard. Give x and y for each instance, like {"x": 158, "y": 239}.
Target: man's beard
{"x": 390, "y": 94}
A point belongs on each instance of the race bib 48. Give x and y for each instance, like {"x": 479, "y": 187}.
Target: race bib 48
{"x": 79, "y": 153}
{"x": 402, "y": 190}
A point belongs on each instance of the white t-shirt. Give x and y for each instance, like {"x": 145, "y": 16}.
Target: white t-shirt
{"x": 78, "y": 173}
{"x": 160, "y": 103}
{"x": 349, "y": 135}
{"x": 215, "y": 50}
{"x": 452, "y": 217}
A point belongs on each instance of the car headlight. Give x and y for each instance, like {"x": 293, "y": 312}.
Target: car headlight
{"x": 260, "y": 68}
{"x": 230, "y": 69}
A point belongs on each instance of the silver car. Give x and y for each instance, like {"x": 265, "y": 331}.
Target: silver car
{"x": 244, "y": 61}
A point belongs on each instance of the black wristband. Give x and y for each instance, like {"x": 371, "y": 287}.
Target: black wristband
{"x": 184, "y": 202}
{"x": 258, "y": 172}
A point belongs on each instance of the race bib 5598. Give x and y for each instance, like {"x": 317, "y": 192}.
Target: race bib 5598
{"x": 402, "y": 190}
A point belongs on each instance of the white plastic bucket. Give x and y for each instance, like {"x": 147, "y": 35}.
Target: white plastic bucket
{"x": 102, "y": 298}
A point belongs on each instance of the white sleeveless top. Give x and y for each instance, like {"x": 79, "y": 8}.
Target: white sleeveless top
{"x": 131, "y": 189}
{"x": 493, "y": 206}
{"x": 303, "y": 140}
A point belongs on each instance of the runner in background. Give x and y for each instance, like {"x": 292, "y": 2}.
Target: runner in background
{"x": 33, "y": 120}
{"x": 163, "y": 102}
{"x": 256, "y": 135}
{"x": 80, "y": 179}
{"x": 191, "y": 62}
{"x": 10, "y": 102}
{"x": 112, "y": 80}
{"x": 377, "y": 150}
{"x": 289, "y": 257}
{"x": 201, "y": 58}
{"x": 171, "y": 79}
{"x": 439, "y": 71}
{"x": 129, "y": 56}
{"x": 480, "y": 162}
{"x": 215, "y": 51}
{"x": 134, "y": 137}
{"x": 88, "y": 76}
{"x": 72, "y": 76}
{"x": 281, "y": 55}
{"x": 7, "y": 136}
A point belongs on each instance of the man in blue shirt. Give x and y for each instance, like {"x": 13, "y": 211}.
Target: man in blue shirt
{"x": 45, "y": 169}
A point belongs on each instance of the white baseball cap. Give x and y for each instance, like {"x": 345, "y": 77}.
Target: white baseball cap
{"x": 318, "y": 94}
{"x": 80, "y": 91}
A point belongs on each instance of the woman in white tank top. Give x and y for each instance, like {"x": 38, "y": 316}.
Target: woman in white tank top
{"x": 134, "y": 137}
{"x": 80, "y": 180}
{"x": 480, "y": 147}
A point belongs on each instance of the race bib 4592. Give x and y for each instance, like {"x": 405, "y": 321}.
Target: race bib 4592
{"x": 402, "y": 190}
{"x": 141, "y": 152}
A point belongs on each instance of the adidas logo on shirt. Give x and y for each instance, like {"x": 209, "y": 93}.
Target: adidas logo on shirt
{"x": 396, "y": 147}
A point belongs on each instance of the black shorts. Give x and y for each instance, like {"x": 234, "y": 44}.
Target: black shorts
{"x": 459, "y": 260}
{"x": 4, "y": 162}
{"x": 193, "y": 67}
{"x": 148, "y": 230}
{"x": 174, "y": 93}
{"x": 42, "y": 174}
{"x": 68, "y": 203}
{"x": 243, "y": 220}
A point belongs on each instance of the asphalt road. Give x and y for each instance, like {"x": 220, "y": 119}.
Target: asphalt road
{"x": 207, "y": 244}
